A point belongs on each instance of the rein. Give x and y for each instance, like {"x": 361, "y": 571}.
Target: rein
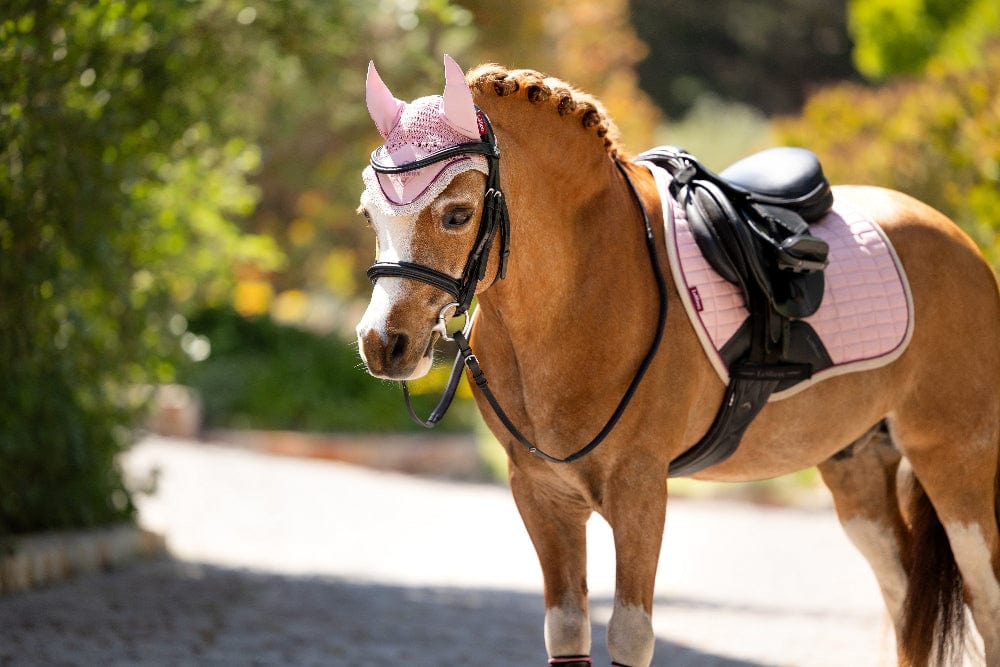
{"x": 495, "y": 214}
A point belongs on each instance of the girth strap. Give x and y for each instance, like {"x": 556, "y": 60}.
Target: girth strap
{"x": 749, "y": 388}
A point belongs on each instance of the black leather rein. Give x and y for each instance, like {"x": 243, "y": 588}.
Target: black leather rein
{"x": 495, "y": 215}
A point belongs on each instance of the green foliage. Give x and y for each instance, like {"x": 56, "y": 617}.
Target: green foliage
{"x": 305, "y": 107}
{"x": 264, "y": 375}
{"x": 118, "y": 192}
{"x": 899, "y": 37}
{"x": 718, "y": 132}
{"x": 770, "y": 54}
{"x": 936, "y": 138}
{"x": 136, "y": 137}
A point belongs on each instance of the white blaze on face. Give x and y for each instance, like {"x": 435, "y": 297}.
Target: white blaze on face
{"x": 394, "y": 235}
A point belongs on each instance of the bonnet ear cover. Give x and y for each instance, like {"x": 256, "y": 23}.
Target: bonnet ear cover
{"x": 459, "y": 109}
{"x": 412, "y": 132}
{"x": 383, "y": 107}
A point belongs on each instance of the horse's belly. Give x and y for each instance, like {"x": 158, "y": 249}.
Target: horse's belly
{"x": 806, "y": 429}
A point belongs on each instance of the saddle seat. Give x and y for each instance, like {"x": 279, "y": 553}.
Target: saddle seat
{"x": 784, "y": 176}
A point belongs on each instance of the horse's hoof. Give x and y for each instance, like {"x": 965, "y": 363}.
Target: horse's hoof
{"x": 571, "y": 661}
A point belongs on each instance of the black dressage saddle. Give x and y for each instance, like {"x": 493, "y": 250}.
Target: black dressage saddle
{"x": 751, "y": 222}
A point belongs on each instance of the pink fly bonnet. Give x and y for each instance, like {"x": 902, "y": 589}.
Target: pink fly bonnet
{"x": 415, "y": 130}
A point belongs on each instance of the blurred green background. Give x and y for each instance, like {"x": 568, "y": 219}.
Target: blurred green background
{"x": 178, "y": 181}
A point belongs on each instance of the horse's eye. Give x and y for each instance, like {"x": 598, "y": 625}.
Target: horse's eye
{"x": 457, "y": 217}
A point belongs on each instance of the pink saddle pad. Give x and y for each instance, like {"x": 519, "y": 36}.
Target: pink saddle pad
{"x": 865, "y": 320}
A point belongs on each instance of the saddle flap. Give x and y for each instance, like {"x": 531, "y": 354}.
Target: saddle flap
{"x": 708, "y": 213}
{"x": 797, "y": 295}
{"x": 761, "y": 256}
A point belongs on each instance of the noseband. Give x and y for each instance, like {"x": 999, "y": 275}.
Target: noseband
{"x": 494, "y": 217}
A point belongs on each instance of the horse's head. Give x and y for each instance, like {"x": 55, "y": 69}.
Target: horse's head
{"x": 424, "y": 198}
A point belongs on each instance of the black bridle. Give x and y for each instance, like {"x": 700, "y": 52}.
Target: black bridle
{"x": 495, "y": 216}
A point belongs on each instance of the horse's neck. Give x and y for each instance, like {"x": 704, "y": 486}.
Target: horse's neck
{"x": 567, "y": 202}
{"x": 570, "y": 246}
{"x": 579, "y": 288}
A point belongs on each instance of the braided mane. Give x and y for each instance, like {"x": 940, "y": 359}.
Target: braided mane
{"x": 540, "y": 89}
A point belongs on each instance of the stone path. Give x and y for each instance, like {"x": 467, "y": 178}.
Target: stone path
{"x": 284, "y": 561}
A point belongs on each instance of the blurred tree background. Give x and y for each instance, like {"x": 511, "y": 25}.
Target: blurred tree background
{"x": 178, "y": 180}
{"x": 932, "y": 128}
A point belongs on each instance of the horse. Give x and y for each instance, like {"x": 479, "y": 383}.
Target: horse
{"x": 569, "y": 308}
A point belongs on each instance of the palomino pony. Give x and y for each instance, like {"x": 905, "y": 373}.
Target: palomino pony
{"x": 569, "y": 309}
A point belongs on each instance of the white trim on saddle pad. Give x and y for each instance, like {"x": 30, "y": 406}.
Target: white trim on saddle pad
{"x": 865, "y": 320}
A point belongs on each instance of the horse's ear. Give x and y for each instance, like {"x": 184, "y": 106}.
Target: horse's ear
{"x": 382, "y": 106}
{"x": 459, "y": 109}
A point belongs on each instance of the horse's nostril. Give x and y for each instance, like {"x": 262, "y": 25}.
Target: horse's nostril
{"x": 396, "y": 346}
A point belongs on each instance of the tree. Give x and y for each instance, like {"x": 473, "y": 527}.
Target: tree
{"x": 936, "y": 138}
{"x": 933, "y": 128}
{"x": 765, "y": 53}
{"x": 305, "y": 107}
{"x": 136, "y": 139}
{"x": 118, "y": 195}
{"x": 313, "y": 127}
{"x": 590, "y": 44}
{"x": 899, "y": 37}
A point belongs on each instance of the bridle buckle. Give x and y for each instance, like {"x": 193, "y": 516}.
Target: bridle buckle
{"x": 442, "y": 321}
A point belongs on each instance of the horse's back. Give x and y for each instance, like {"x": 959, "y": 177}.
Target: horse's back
{"x": 950, "y": 279}
{"x": 952, "y": 366}
{"x": 955, "y": 350}
{"x": 901, "y": 215}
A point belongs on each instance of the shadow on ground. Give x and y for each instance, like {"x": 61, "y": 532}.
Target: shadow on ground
{"x": 176, "y": 613}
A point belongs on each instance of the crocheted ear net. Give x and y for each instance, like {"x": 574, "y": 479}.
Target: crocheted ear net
{"x": 422, "y": 129}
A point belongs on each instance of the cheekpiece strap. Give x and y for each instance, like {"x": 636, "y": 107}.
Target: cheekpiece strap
{"x": 495, "y": 219}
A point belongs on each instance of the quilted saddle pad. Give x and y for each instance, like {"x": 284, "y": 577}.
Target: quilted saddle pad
{"x": 865, "y": 320}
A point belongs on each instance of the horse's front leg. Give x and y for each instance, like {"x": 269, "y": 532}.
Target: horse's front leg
{"x": 635, "y": 507}
{"x": 556, "y": 520}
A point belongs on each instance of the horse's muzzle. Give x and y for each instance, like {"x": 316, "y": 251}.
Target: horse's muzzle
{"x": 393, "y": 355}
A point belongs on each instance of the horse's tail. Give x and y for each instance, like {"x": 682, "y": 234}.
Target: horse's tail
{"x": 933, "y": 626}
